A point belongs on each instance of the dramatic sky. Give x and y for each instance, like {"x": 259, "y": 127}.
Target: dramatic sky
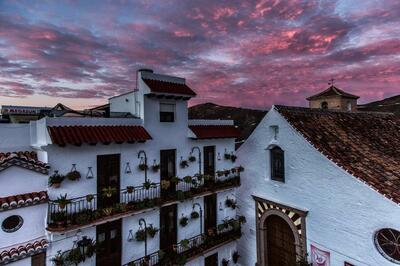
{"x": 249, "y": 53}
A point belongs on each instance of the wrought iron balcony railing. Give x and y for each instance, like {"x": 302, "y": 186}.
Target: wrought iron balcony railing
{"x": 76, "y": 212}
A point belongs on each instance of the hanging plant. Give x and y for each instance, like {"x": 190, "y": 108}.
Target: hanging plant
{"x": 140, "y": 235}
{"x": 183, "y": 221}
{"x": 225, "y": 262}
{"x": 235, "y": 256}
{"x": 58, "y": 259}
{"x": 233, "y": 157}
{"x": 152, "y": 231}
{"x": 227, "y": 156}
{"x": 220, "y": 173}
{"x": 240, "y": 169}
{"x": 128, "y": 168}
{"x": 231, "y": 203}
{"x": 109, "y": 191}
{"x": 55, "y": 179}
{"x": 227, "y": 172}
{"x": 194, "y": 215}
{"x": 242, "y": 219}
{"x": 107, "y": 211}
{"x": 192, "y": 158}
{"x": 187, "y": 179}
{"x": 165, "y": 184}
{"x": 74, "y": 256}
{"x": 73, "y": 175}
{"x": 62, "y": 201}
{"x": 143, "y": 166}
{"x": 130, "y": 189}
{"x": 155, "y": 167}
{"x": 184, "y": 164}
{"x": 89, "y": 198}
{"x": 234, "y": 170}
{"x": 148, "y": 184}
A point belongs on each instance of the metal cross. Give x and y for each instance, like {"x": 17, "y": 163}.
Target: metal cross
{"x": 331, "y": 81}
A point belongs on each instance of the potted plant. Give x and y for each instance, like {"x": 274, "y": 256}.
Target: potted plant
{"x": 227, "y": 172}
{"x": 152, "y": 231}
{"x": 59, "y": 218}
{"x": 187, "y": 179}
{"x": 62, "y": 201}
{"x": 140, "y": 235}
{"x": 107, "y": 211}
{"x": 235, "y": 256}
{"x": 240, "y": 169}
{"x": 73, "y": 175}
{"x": 230, "y": 203}
{"x": 192, "y": 158}
{"x": 185, "y": 243}
{"x": 194, "y": 215}
{"x": 233, "y": 158}
{"x": 155, "y": 167}
{"x": 109, "y": 191}
{"x": 58, "y": 259}
{"x": 225, "y": 262}
{"x": 180, "y": 195}
{"x": 233, "y": 170}
{"x": 175, "y": 180}
{"x": 55, "y": 179}
{"x": 165, "y": 184}
{"x": 220, "y": 173}
{"x": 242, "y": 219}
{"x": 89, "y": 197}
{"x": 130, "y": 189}
{"x": 183, "y": 221}
{"x": 74, "y": 256}
{"x": 142, "y": 166}
{"x": 148, "y": 184}
{"x": 184, "y": 164}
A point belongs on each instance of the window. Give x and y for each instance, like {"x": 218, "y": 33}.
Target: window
{"x": 324, "y": 105}
{"x": 167, "y": 112}
{"x": 349, "y": 106}
{"x": 12, "y": 223}
{"x": 277, "y": 164}
{"x": 39, "y": 259}
{"x": 387, "y": 241}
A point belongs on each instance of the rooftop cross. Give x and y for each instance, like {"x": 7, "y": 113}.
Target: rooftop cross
{"x": 331, "y": 81}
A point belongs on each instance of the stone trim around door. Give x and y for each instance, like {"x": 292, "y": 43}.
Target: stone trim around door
{"x": 295, "y": 218}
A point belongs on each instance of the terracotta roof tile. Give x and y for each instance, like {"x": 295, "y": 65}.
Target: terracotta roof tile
{"x": 22, "y": 251}
{"x": 22, "y": 200}
{"x": 77, "y": 135}
{"x": 215, "y": 131}
{"x": 159, "y": 86}
{"x": 25, "y": 159}
{"x": 364, "y": 144}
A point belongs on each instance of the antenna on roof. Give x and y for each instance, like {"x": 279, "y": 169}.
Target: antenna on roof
{"x": 331, "y": 81}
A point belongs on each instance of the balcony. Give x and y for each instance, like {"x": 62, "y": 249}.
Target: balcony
{"x": 194, "y": 247}
{"x": 71, "y": 214}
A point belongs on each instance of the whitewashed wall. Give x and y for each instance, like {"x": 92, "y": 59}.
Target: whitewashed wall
{"x": 14, "y": 137}
{"x": 343, "y": 212}
{"x": 17, "y": 180}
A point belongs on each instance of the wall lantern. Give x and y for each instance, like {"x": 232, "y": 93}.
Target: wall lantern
{"x": 83, "y": 245}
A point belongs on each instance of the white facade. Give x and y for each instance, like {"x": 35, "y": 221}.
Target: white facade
{"x": 175, "y": 135}
{"x": 343, "y": 212}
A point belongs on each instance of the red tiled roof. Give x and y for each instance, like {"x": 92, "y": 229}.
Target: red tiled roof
{"x": 332, "y": 91}
{"x": 159, "y": 86}
{"x": 22, "y": 200}
{"x": 364, "y": 144}
{"x": 77, "y": 135}
{"x": 215, "y": 131}
{"x": 22, "y": 251}
{"x": 25, "y": 159}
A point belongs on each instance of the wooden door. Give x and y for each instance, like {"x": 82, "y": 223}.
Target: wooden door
{"x": 108, "y": 176}
{"x": 211, "y": 260}
{"x": 209, "y": 161}
{"x": 210, "y": 212}
{"x": 168, "y": 168}
{"x": 109, "y": 241}
{"x": 168, "y": 227}
{"x": 281, "y": 249}
{"x": 38, "y": 259}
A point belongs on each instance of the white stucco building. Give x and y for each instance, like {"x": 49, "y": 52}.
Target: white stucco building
{"x": 125, "y": 188}
{"x": 322, "y": 183}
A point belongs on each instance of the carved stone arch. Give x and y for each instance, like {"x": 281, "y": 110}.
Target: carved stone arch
{"x": 293, "y": 217}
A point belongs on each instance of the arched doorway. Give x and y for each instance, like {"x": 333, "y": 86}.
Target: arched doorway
{"x": 281, "y": 248}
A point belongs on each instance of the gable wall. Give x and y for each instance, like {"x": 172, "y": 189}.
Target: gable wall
{"x": 343, "y": 212}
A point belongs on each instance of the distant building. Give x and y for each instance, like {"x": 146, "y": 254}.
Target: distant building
{"x": 335, "y": 99}
{"x": 322, "y": 183}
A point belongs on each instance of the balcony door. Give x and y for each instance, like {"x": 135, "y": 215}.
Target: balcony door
{"x": 210, "y": 212}
{"x": 209, "y": 160}
{"x": 211, "y": 260}
{"x": 168, "y": 227}
{"x": 109, "y": 241}
{"x": 168, "y": 168}
{"x": 108, "y": 178}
